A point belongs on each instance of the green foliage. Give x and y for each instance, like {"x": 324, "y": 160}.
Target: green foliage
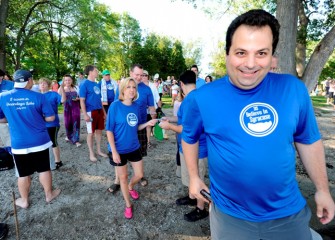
{"x": 55, "y": 37}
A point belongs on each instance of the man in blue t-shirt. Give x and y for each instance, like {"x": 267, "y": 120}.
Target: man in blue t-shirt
{"x": 94, "y": 113}
{"x": 200, "y": 81}
{"x": 252, "y": 122}
{"x": 187, "y": 83}
{"x": 26, "y": 112}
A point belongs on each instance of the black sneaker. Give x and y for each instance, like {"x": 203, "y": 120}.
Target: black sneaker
{"x": 196, "y": 215}
{"x": 3, "y": 230}
{"x": 186, "y": 201}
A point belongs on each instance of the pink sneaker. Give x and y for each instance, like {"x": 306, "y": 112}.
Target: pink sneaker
{"x": 128, "y": 212}
{"x": 134, "y": 194}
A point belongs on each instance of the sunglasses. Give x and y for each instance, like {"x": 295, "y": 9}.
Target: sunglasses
{"x": 144, "y": 75}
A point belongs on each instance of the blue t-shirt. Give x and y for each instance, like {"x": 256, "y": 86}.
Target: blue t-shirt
{"x": 145, "y": 99}
{"x": 111, "y": 88}
{"x": 250, "y": 139}
{"x": 122, "y": 120}
{"x": 92, "y": 94}
{"x": 200, "y": 82}
{"x": 25, "y": 111}
{"x": 54, "y": 99}
{"x": 6, "y": 85}
{"x": 202, "y": 140}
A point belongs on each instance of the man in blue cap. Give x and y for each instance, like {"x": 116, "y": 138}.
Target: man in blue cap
{"x": 108, "y": 88}
{"x": 26, "y": 112}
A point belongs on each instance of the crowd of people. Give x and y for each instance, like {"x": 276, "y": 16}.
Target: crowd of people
{"x": 247, "y": 136}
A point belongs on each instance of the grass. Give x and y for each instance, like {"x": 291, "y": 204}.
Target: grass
{"x": 166, "y": 102}
{"x": 319, "y": 101}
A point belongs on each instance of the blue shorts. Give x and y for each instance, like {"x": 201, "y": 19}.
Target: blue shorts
{"x": 226, "y": 227}
{"x": 134, "y": 156}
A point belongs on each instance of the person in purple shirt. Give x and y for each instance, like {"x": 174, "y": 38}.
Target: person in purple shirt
{"x": 26, "y": 112}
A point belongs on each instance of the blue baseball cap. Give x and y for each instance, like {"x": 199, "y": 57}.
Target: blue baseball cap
{"x": 21, "y": 78}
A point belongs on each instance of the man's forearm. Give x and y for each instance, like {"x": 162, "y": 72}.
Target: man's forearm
{"x": 313, "y": 158}
{"x": 190, "y": 152}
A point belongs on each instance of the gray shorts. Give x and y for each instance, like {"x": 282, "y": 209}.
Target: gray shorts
{"x": 226, "y": 227}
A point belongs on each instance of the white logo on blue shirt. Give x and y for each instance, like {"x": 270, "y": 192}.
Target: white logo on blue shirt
{"x": 132, "y": 119}
{"x": 259, "y": 119}
{"x": 96, "y": 89}
{"x": 110, "y": 87}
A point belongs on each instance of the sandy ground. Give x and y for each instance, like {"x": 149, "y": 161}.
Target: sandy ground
{"x": 85, "y": 210}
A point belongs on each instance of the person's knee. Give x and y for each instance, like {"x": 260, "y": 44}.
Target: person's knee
{"x": 123, "y": 177}
{"x": 139, "y": 175}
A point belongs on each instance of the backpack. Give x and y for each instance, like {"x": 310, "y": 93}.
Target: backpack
{"x": 6, "y": 159}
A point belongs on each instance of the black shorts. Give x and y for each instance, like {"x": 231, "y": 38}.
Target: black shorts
{"x": 53, "y": 134}
{"x": 134, "y": 156}
{"x": 142, "y": 137}
{"x": 27, "y": 164}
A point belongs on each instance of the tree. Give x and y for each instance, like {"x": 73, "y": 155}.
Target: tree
{"x": 3, "y": 18}
{"x": 295, "y": 35}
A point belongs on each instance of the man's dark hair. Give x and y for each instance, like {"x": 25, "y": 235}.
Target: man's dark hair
{"x": 254, "y": 18}
{"x": 136, "y": 65}
{"x": 2, "y": 73}
{"x": 194, "y": 66}
{"x": 188, "y": 77}
{"x": 88, "y": 69}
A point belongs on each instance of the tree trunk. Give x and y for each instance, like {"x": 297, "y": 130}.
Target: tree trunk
{"x": 3, "y": 17}
{"x": 318, "y": 59}
{"x": 301, "y": 40}
{"x": 288, "y": 18}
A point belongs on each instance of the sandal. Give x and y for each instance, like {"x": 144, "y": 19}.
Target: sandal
{"x": 59, "y": 164}
{"x": 144, "y": 181}
{"x": 149, "y": 145}
{"x": 114, "y": 188}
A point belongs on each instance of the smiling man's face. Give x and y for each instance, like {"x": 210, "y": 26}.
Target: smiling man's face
{"x": 250, "y": 56}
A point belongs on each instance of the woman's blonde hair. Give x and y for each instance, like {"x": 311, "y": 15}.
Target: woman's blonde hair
{"x": 45, "y": 80}
{"x": 123, "y": 84}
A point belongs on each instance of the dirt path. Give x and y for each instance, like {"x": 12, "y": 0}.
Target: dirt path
{"x": 85, "y": 210}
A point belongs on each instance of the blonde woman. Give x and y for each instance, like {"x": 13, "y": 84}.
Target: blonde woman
{"x": 53, "y": 127}
{"x": 122, "y": 126}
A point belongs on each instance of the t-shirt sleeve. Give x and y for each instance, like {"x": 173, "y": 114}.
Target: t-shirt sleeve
{"x": 59, "y": 98}
{"x": 307, "y": 131}
{"x": 82, "y": 90}
{"x": 192, "y": 121}
{"x": 46, "y": 107}
{"x": 150, "y": 98}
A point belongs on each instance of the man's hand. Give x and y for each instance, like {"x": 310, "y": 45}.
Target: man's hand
{"x": 325, "y": 207}
{"x": 165, "y": 125}
{"x": 196, "y": 185}
{"x": 87, "y": 118}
